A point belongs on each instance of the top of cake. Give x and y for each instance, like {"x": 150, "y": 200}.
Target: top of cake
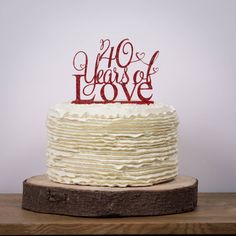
{"x": 111, "y": 110}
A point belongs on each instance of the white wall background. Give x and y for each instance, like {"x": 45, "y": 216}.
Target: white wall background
{"x": 197, "y": 75}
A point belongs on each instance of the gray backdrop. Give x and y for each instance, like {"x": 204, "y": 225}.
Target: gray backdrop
{"x": 197, "y": 73}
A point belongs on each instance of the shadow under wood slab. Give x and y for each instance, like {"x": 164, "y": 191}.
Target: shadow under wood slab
{"x": 42, "y": 195}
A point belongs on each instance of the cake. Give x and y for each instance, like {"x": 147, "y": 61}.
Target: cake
{"x": 114, "y": 145}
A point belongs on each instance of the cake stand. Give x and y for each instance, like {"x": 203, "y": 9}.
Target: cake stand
{"x": 42, "y": 195}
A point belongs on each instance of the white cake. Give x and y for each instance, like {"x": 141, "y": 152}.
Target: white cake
{"x": 116, "y": 145}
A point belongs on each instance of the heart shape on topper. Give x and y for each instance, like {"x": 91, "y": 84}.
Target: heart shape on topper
{"x": 140, "y": 55}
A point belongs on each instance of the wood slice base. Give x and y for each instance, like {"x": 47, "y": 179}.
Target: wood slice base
{"x": 42, "y": 195}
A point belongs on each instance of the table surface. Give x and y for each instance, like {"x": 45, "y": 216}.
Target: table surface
{"x": 215, "y": 213}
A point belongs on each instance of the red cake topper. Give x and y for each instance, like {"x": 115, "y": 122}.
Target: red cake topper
{"x": 119, "y": 78}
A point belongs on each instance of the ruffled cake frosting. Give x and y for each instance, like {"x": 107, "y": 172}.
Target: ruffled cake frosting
{"x": 116, "y": 145}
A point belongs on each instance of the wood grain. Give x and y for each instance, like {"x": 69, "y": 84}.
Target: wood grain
{"x": 215, "y": 214}
{"x": 176, "y": 196}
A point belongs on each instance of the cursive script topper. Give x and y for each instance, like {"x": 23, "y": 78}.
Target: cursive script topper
{"x": 120, "y": 74}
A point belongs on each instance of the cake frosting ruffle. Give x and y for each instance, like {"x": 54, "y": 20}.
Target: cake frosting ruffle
{"x": 112, "y": 144}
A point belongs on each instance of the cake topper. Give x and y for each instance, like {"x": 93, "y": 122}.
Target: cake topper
{"x": 115, "y": 78}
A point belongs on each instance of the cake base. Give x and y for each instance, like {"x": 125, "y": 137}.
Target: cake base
{"x": 42, "y": 195}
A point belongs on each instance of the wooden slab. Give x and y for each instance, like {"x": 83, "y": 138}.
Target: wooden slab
{"x": 176, "y": 196}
